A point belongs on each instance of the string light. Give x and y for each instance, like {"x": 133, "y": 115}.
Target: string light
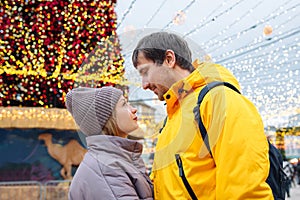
{"x": 229, "y": 27}
{"x": 126, "y": 13}
{"x": 270, "y": 80}
{"x": 34, "y": 117}
{"x": 183, "y": 10}
{"x": 45, "y": 44}
{"x": 155, "y": 13}
{"x": 133, "y": 39}
{"x": 266, "y": 66}
{"x": 213, "y": 41}
{"x": 213, "y": 19}
{"x": 260, "y": 39}
{"x": 252, "y": 48}
{"x": 229, "y": 39}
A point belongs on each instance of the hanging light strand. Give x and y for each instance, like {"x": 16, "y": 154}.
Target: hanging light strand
{"x": 126, "y": 13}
{"x": 297, "y": 31}
{"x": 235, "y": 22}
{"x": 274, "y": 53}
{"x": 183, "y": 10}
{"x": 236, "y": 35}
{"x": 155, "y": 13}
{"x": 148, "y": 22}
{"x": 213, "y": 19}
{"x": 257, "y": 41}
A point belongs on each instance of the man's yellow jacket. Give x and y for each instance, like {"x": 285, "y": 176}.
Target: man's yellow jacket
{"x": 240, "y": 163}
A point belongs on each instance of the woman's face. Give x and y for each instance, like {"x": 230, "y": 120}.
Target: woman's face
{"x": 126, "y": 117}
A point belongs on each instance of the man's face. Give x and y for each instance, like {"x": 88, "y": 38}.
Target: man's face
{"x": 154, "y": 77}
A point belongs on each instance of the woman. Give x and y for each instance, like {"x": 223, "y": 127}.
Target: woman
{"x": 112, "y": 168}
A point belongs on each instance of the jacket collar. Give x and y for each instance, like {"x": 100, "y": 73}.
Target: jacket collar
{"x": 182, "y": 88}
{"x": 116, "y": 146}
{"x": 204, "y": 73}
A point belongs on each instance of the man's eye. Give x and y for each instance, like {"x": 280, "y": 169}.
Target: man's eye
{"x": 144, "y": 73}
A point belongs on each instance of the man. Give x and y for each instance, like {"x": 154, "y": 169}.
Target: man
{"x": 240, "y": 164}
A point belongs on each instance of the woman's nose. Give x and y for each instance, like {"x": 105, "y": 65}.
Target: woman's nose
{"x": 133, "y": 110}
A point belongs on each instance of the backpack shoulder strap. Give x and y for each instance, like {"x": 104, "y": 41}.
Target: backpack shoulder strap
{"x": 196, "y": 110}
{"x": 164, "y": 124}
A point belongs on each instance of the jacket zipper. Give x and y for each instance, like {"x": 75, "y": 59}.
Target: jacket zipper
{"x": 183, "y": 178}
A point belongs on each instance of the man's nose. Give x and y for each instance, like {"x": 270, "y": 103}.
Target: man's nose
{"x": 145, "y": 84}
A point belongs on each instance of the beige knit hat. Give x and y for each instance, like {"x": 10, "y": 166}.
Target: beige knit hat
{"x": 92, "y": 107}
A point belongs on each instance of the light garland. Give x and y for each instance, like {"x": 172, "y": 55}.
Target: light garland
{"x": 232, "y": 35}
{"x": 155, "y": 13}
{"x": 34, "y": 117}
{"x": 194, "y": 30}
{"x": 45, "y": 47}
{"x": 126, "y": 13}
{"x": 245, "y": 50}
{"x": 237, "y": 35}
{"x": 184, "y": 10}
{"x": 210, "y": 41}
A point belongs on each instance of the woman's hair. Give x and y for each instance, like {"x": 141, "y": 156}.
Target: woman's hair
{"x": 111, "y": 127}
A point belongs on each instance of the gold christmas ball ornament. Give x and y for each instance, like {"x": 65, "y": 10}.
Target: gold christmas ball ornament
{"x": 179, "y": 18}
{"x": 268, "y": 30}
{"x": 207, "y": 58}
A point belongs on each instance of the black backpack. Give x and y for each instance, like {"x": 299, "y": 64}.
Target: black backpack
{"x": 276, "y": 179}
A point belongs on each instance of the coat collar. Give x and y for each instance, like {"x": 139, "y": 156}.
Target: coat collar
{"x": 116, "y": 146}
{"x": 204, "y": 73}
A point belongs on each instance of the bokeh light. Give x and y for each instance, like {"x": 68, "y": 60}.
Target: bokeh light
{"x": 45, "y": 45}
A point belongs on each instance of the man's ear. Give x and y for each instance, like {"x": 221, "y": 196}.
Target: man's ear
{"x": 170, "y": 58}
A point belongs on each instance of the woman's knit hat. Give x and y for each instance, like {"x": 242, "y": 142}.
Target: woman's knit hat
{"x": 92, "y": 107}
